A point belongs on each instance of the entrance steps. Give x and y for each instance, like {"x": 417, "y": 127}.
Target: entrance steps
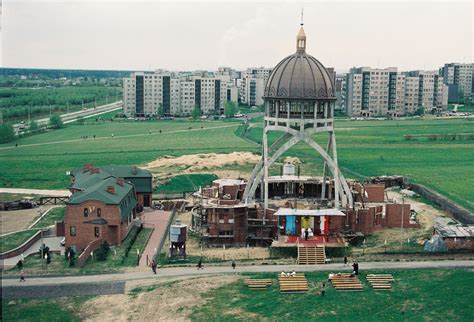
{"x": 311, "y": 255}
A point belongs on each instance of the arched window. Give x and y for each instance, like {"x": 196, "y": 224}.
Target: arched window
{"x": 86, "y": 212}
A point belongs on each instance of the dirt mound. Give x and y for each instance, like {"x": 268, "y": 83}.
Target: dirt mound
{"x": 166, "y": 303}
{"x": 196, "y": 162}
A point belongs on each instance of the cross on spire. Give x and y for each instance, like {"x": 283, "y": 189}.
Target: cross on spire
{"x": 302, "y": 23}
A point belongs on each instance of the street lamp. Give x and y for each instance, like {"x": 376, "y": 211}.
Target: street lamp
{"x": 401, "y": 225}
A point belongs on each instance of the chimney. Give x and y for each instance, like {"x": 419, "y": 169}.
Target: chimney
{"x": 111, "y": 189}
{"x": 120, "y": 181}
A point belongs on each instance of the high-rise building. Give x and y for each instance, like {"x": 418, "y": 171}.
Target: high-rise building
{"x": 458, "y": 78}
{"x": 166, "y": 93}
{"x": 252, "y": 85}
{"x": 387, "y": 92}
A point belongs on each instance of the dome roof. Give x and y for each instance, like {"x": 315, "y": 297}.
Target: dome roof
{"x": 300, "y": 76}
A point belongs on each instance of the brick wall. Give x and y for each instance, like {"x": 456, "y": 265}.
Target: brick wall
{"x": 393, "y": 216}
{"x": 375, "y": 192}
{"x": 113, "y": 232}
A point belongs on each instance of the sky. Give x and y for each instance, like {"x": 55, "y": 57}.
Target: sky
{"x": 179, "y": 35}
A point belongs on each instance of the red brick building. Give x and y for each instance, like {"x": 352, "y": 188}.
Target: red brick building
{"x": 102, "y": 209}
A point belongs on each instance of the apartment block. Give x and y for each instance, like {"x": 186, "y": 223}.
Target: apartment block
{"x": 252, "y": 85}
{"x": 162, "y": 92}
{"x": 387, "y": 92}
{"x": 458, "y": 78}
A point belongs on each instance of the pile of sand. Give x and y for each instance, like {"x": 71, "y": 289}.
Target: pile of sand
{"x": 196, "y": 162}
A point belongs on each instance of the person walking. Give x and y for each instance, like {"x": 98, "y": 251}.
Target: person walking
{"x": 153, "y": 266}
{"x": 199, "y": 265}
{"x": 22, "y": 276}
{"x": 323, "y": 289}
{"x": 306, "y": 233}
{"x": 355, "y": 266}
{"x": 233, "y": 264}
{"x": 345, "y": 260}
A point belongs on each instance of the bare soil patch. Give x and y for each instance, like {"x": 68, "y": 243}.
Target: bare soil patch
{"x": 193, "y": 248}
{"x": 195, "y": 162}
{"x": 20, "y": 219}
{"x": 168, "y": 302}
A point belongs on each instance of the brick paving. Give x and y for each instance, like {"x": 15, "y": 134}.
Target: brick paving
{"x": 159, "y": 220}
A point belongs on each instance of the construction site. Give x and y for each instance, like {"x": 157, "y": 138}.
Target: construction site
{"x": 293, "y": 210}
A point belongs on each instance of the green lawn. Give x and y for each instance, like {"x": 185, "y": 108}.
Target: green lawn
{"x": 417, "y": 295}
{"x": 55, "y": 214}
{"x": 365, "y": 148}
{"x": 371, "y": 148}
{"x": 62, "y": 309}
{"x": 186, "y": 183}
{"x": 45, "y": 162}
{"x": 116, "y": 260}
{"x": 14, "y": 240}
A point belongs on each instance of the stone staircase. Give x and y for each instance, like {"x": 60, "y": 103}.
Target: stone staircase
{"x": 311, "y": 255}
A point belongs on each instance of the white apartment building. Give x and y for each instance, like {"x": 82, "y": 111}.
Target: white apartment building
{"x": 148, "y": 94}
{"x": 382, "y": 92}
{"x": 458, "y": 77}
{"x": 252, "y": 85}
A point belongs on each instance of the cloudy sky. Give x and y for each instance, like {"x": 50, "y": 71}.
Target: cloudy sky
{"x": 146, "y": 35}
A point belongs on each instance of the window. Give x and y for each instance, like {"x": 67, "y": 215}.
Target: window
{"x": 96, "y": 231}
{"x": 86, "y": 212}
{"x": 99, "y": 212}
{"x": 72, "y": 230}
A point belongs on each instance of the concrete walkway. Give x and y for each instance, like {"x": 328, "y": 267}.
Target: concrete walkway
{"x": 191, "y": 272}
{"x": 41, "y": 192}
{"x": 52, "y": 242}
{"x": 159, "y": 220}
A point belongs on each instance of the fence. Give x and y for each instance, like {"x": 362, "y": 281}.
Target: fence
{"x": 458, "y": 212}
{"x": 165, "y": 235}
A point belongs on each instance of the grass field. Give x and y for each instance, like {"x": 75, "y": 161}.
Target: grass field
{"x": 55, "y": 214}
{"x": 186, "y": 183}
{"x": 14, "y": 240}
{"x": 369, "y": 148}
{"x": 417, "y": 295}
{"x": 365, "y": 148}
{"x": 116, "y": 260}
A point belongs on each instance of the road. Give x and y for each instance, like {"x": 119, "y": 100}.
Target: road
{"x": 41, "y": 192}
{"x": 74, "y": 116}
{"x": 191, "y": 272}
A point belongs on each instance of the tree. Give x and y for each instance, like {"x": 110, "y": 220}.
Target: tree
{"x": 196, "y": 112}
{"x": 55, "y": 121}
{"x": 161, "y": 111}
{"x": 230, "y": 108}
{"x": 7, "y": 134}
{"x": 34, "y": 127}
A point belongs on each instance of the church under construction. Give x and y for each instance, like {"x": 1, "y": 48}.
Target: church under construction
{"x": 292, "y": 209}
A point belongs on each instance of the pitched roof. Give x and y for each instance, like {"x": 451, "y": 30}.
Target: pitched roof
{"x": 139, "y": 177}
{"x": 99, "y": 188}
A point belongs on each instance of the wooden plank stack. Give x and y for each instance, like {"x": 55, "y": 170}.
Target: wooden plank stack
{"x": 258, "y": 284}
{"x": 346, "y": 282}
{"x": 293, "y": 284}
{"x": 380, "y": 282}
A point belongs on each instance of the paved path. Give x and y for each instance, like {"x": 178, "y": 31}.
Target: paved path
{"x": 191, "y": 272}
{"x": 41, "y": 192}
{"x": 159, "y": 220}
{"x": 52, "y": 242}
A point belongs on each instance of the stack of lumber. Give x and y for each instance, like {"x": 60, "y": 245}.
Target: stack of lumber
{"x": 258, "y": 284}
{"x": 346, "y": 282}
{"x": 380, "y": 282}
{"x": 293, "y": 284}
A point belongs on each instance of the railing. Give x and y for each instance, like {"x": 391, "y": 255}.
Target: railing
{"x": 26, "y": 245}
{"x": 92, "y": 246}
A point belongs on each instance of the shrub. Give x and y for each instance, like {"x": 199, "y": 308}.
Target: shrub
{"x": 432, "y": 137}
{"x": 7, "y": 134}
{"x": 409, "y": 137}
{"x": 103, "y": 251}
{"x": 55, "y": 121}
